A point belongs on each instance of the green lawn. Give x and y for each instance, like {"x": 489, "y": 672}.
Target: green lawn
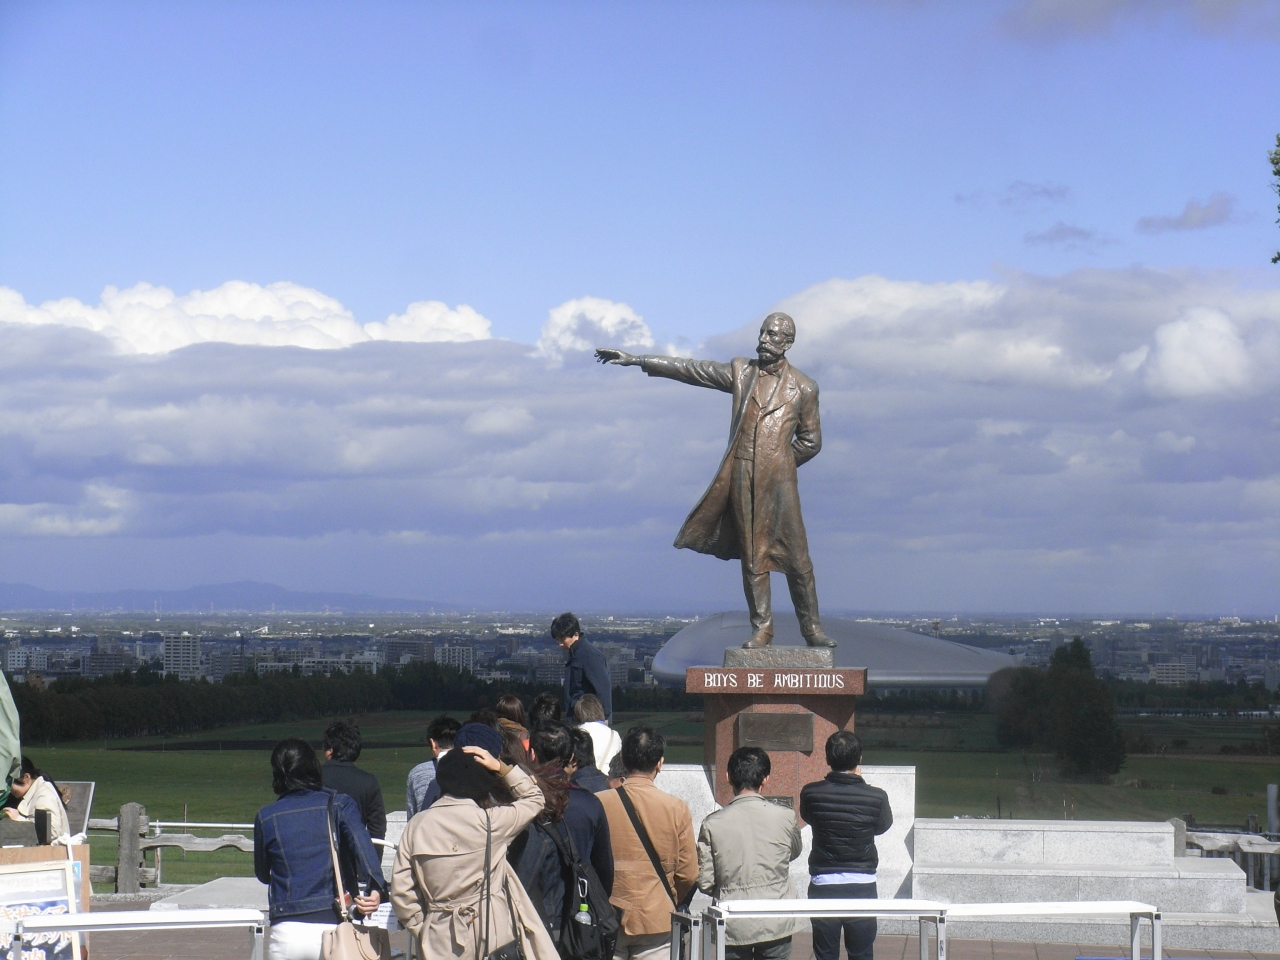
{"x": 960, "y": 771}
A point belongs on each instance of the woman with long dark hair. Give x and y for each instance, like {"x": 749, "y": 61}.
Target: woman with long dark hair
{"x": 291, "y": 854}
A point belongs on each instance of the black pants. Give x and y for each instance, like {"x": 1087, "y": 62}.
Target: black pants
{"x": 859, "y": 934}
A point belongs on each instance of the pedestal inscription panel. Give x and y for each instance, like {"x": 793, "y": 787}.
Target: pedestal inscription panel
{"x": 776, "y": 731}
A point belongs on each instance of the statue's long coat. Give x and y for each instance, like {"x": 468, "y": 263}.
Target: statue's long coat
{"x": 788, "y": 434}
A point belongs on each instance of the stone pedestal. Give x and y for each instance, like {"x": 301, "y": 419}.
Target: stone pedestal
{"x": 785, "y": 700}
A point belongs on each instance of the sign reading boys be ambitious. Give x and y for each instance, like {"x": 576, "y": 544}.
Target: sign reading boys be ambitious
{"x": 751, "y": 681}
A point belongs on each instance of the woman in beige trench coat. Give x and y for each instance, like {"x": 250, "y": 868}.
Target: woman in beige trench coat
{"x": 436, "y": 883}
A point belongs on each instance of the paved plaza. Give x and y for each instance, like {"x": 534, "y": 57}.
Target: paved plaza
{"x": 231, "y": 944}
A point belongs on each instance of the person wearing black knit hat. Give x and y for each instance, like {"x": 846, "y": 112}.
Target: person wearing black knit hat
{"x": 438, "y": 884}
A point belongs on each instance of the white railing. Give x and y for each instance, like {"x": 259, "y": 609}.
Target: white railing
{"x": 1134, "y": 910}
{"x": 694, "y": 938}
{"x": 134, "y": 920}
{"x": 711, "y": 943}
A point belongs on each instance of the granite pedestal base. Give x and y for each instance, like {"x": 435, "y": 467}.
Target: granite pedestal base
{"x": 781, "y": 700}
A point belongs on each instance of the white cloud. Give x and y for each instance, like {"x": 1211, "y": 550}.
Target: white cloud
{"x": 149, "y": 319}
{"x": 1116, "y": 420}
{"x": 1198, "y": 355}
{"x": 430, "y": 321}
{"x": 590, "y": 322}
{"x": 1080, "y": 331}
{"x": 961, "y": 330}
{"x": 102, "y": 510}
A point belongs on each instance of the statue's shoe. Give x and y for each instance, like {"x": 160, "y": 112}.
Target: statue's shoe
{"x": 761, "y": 638}
{"x": 820, "y": 640}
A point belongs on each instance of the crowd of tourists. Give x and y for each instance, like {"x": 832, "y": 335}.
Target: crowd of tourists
{"x": 541, "y": 834}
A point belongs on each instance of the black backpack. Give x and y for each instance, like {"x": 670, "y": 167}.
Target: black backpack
{"x": 583, "y": 941}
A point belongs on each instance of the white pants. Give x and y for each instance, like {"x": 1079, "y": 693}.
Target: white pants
{"x": 291, "y": 940}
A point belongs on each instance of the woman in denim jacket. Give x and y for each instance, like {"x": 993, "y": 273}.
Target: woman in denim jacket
{"x": 291, "y": 854}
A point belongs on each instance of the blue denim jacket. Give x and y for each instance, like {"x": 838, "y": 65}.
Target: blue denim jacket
{"x": 291, "y": 854}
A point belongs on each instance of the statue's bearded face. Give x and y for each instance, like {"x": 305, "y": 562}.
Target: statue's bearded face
{"x": 776, "y": 336}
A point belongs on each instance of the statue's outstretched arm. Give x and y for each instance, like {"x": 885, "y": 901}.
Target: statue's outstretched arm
{"x": 699, "y": 373}
{"x": 619, "y": 357}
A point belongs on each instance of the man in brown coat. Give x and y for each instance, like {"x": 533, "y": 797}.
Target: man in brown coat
{"x": 645, "y": 897}
{"x": 751, "y": 511}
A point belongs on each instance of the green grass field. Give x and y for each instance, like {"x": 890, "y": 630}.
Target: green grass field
{"x": 960, "y": 772}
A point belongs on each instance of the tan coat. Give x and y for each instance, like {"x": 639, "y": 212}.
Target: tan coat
{"x": 42, "y": 795}
{"x": 436, "y": 882}
{"x": 744, "y": 853}
{"x": 787, "y": 434}
{"x": 637, "y": 891}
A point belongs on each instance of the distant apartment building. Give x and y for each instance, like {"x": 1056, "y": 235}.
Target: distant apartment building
{"x": 461, "y": 656}
{"x": 399, "y": 650}
{"x": 344, "y": 664}
{"x": 182, "y": 657}
{"x": 507, "y": 645}
{"x": 105, "y": 661}
{"x": 15, "y": 659}
{"x": 620, "y": 671}
{"x": 1271, "y": 675}
{"x": 225, "y": 661}
{"x": 1169, "y": 674}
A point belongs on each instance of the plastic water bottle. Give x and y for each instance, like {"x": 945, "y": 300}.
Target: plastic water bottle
{"x": 583, "y": 915}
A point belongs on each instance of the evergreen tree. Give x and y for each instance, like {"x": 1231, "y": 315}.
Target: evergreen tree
{"x": 1065, "y": 709}
{"x": 1274, "y": 157}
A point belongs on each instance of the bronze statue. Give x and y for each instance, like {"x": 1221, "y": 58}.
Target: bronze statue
{"x": 751, "y": 511}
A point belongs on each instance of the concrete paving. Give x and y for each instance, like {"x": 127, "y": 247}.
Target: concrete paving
{"x": 226, "y": 944}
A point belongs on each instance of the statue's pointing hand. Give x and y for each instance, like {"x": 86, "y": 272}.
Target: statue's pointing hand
{"x": 611, "y": 355}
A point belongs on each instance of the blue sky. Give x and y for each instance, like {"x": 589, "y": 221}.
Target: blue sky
{"x": 984, "y": 213}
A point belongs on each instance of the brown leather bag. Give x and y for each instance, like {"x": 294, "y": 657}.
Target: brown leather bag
{"x": 349, "y": 941}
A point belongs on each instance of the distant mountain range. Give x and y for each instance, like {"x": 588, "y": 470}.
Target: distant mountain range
{"x": 245, "y": 596}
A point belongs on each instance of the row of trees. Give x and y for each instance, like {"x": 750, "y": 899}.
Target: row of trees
{"x": 145, "y": 703}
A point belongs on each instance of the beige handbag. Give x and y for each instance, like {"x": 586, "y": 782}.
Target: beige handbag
{"x": 349, "y": 941}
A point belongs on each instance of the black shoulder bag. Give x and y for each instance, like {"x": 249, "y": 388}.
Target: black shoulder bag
{"x": 649, "y": 849}
{"x": 513, "y": 950}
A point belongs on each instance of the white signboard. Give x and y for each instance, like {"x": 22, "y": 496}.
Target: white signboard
{"x": 42, "y": 889}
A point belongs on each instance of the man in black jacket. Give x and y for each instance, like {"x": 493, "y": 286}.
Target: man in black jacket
{"x": 847, "y": 814}
{"x": 339, "y": 772}
{"x": 586, "y": 670}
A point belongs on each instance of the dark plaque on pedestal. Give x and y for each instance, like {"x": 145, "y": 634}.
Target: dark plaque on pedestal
{"x": 776, "y": 731}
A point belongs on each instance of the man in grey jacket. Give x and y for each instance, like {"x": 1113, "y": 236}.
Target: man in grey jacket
{"x": 744, "y": 853}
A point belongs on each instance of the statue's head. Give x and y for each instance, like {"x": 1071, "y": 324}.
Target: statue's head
{"x": 777, "y": 334}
